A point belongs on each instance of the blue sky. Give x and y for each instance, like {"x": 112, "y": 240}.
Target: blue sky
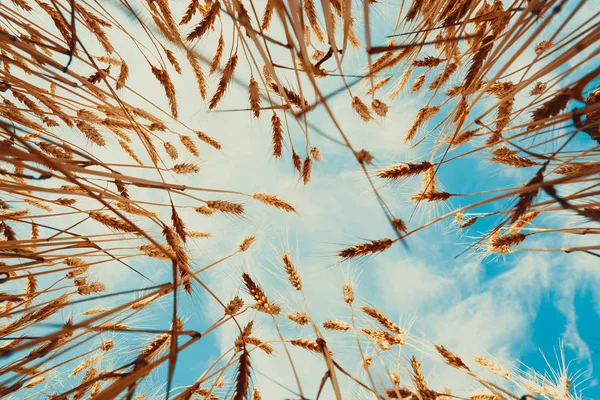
{"x": 513, "y": 308}
{"x": 519, "y": 307}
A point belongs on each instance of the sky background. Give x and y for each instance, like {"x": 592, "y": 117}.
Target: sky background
{"x": 521, "y": 308}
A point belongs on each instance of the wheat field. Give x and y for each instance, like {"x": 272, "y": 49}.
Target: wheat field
{"x": 226, "y": 199}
